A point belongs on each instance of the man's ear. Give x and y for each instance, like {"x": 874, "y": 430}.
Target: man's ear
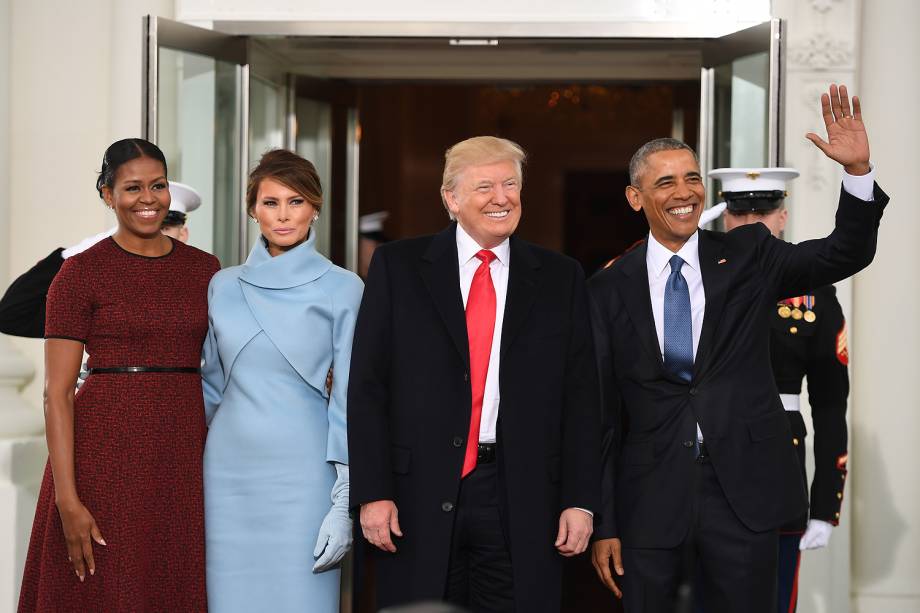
{"x": 634, "y": 197}
{"x": 450, "y": 201}
{"x": 783, "y": 217}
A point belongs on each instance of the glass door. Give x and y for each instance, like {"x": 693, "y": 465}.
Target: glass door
{"x": 196, "y": 108}
{"x": 326, "y": 130}
{"x": 741, "y": 100}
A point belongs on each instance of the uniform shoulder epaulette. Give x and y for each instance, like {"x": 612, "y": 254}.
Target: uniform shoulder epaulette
{"x": 632, "y": 247}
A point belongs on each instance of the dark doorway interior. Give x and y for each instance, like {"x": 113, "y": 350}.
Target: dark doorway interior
{"x": 579, "y": 138}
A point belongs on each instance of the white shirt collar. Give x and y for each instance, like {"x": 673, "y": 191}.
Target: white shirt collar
{"x": 658, "y": 256}
{"x": 467, "y": 248}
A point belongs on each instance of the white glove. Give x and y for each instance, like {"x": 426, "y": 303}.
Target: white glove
{"x": 817, "y": 535}
{"x": 334, "y": 539}
{"x": 86, "y": 243}
{"x": 712, "y": 213}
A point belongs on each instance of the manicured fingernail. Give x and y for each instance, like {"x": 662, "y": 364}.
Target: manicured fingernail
{"x": 92, "y": 571}
{"x": 101, "y": 541}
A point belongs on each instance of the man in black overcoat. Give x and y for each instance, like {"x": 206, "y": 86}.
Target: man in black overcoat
{"x": 473, "y": 408}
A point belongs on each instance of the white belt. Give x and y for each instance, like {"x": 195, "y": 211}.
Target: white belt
{"x": 790, "y": 401}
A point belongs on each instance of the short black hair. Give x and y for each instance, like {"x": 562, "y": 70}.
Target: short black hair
{"x": 123, "y": 151}
{"x": 637, "y": 163}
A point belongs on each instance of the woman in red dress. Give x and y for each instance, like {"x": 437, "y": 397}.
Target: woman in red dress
{"x": 119, "y": 525}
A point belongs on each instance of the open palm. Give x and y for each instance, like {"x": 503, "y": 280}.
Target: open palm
{"x": 847, "y": 142}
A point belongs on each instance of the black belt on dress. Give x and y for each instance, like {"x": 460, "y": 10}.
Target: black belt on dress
{"x": 486, "y": 453}
{"x": 133, "y": 369}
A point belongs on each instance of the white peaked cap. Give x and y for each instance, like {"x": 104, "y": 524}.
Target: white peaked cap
{"x": 753, "y": 179}
{"x": 184, "y": 198}
{"x": 372, "y": 222}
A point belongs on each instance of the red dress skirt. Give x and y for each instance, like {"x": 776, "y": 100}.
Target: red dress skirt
{"x": 138, "y": 438}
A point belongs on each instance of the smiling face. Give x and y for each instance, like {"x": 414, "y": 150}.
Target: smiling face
{"x": 139, "y": 196}
{"x": 487, "y": 202}
{"x": 671, "y": 194}
{"x": 284, "y": 216}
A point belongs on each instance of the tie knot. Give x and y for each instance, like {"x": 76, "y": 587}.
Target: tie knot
{"x": 486, "y": 256}
{"x": 676, "y": 263}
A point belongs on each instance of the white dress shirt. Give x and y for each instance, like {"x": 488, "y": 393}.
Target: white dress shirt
{"x": 467, "y": 248}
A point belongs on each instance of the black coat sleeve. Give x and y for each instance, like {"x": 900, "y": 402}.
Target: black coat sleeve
{"x": 605, "y": 525}
{"x": 22, "y": 308}
{"x": 368, "y": 391}
{"x": 581, "y": 420}
{"x": 795, "y": 269}
{"x": 828, "y": 388}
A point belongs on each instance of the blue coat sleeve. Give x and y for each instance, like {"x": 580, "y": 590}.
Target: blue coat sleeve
{"x": 345, "y": 313}
{"x": 212, "y": 371}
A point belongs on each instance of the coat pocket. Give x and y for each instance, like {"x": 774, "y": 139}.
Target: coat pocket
{"x": 768, "y": 426}
{"x": 401, "y": 459}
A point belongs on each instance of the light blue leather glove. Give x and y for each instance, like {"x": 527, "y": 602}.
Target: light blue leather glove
{"x": 334, "y": 539}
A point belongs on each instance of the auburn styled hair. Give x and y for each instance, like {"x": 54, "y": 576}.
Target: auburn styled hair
{"x": 289, "y": 169}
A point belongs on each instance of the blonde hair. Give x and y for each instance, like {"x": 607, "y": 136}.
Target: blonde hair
{"x": 478, "y": 151}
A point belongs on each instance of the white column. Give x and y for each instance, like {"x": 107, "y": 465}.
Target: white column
{"x": 886, "y": 388}
{"x": 821, "y": 49}
{"x": 22, "y": 449}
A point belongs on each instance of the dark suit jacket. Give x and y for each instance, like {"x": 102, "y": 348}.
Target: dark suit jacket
{"x": 22, "y": 308}
{"x": 409, "y": 405}
{"x": 651, "y": 416}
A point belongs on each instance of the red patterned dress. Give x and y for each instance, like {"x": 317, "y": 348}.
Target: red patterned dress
{"x": 138, "y": 437}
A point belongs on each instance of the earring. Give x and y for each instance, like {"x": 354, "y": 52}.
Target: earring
{"x": 254, "y": 220}
{"x": 315, "y": 217}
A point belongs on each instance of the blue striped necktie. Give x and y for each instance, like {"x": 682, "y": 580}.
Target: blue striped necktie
{"x": 678, "y": 327}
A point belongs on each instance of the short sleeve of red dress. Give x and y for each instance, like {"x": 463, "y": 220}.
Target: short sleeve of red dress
{"x": 69, "y": 309}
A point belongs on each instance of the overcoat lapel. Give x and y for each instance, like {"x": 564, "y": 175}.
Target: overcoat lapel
{"x": 638, "y": 302}
{"x": 440, "y": 271}
{"x": 716, "y": 272}
{"x": 522, "y": 289}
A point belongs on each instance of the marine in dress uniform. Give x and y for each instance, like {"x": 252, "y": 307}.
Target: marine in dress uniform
{"x": 22, "y": 308}
{"x": 808, "y": 339}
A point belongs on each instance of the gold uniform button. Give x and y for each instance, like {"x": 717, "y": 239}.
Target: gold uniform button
{"x": 837, "y": 515}
{"x": 795, "y": 442}
{"x": 839, "y": 496}
{"x": 793, "y": 330}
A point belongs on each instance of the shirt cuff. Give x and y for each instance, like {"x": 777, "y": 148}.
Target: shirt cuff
{"x": 860, "y": 186}
{"x": 585, "y": 510}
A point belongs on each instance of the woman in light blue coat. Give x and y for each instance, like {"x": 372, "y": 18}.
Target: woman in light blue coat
{"x": 276, "y": 457}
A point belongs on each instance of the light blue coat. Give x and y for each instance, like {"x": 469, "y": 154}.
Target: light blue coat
{"x": 277, "y": 325}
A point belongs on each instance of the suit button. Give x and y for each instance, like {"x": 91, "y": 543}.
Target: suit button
{"x": 693, "y": 391}
{"x": 466, "y": 376}
{"x": 688, "y": 444}
{"x": 458, "y": 441}
{"x": 795, "y": 442}
{"x": 447, "y": 507}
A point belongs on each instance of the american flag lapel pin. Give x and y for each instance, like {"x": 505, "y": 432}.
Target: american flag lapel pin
{"x": 722, "y": 261}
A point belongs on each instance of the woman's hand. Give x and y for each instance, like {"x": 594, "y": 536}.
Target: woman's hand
{"x": 79, "y": 528}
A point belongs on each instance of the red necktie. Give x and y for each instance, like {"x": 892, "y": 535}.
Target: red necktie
{"x": 480, "y": 325}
